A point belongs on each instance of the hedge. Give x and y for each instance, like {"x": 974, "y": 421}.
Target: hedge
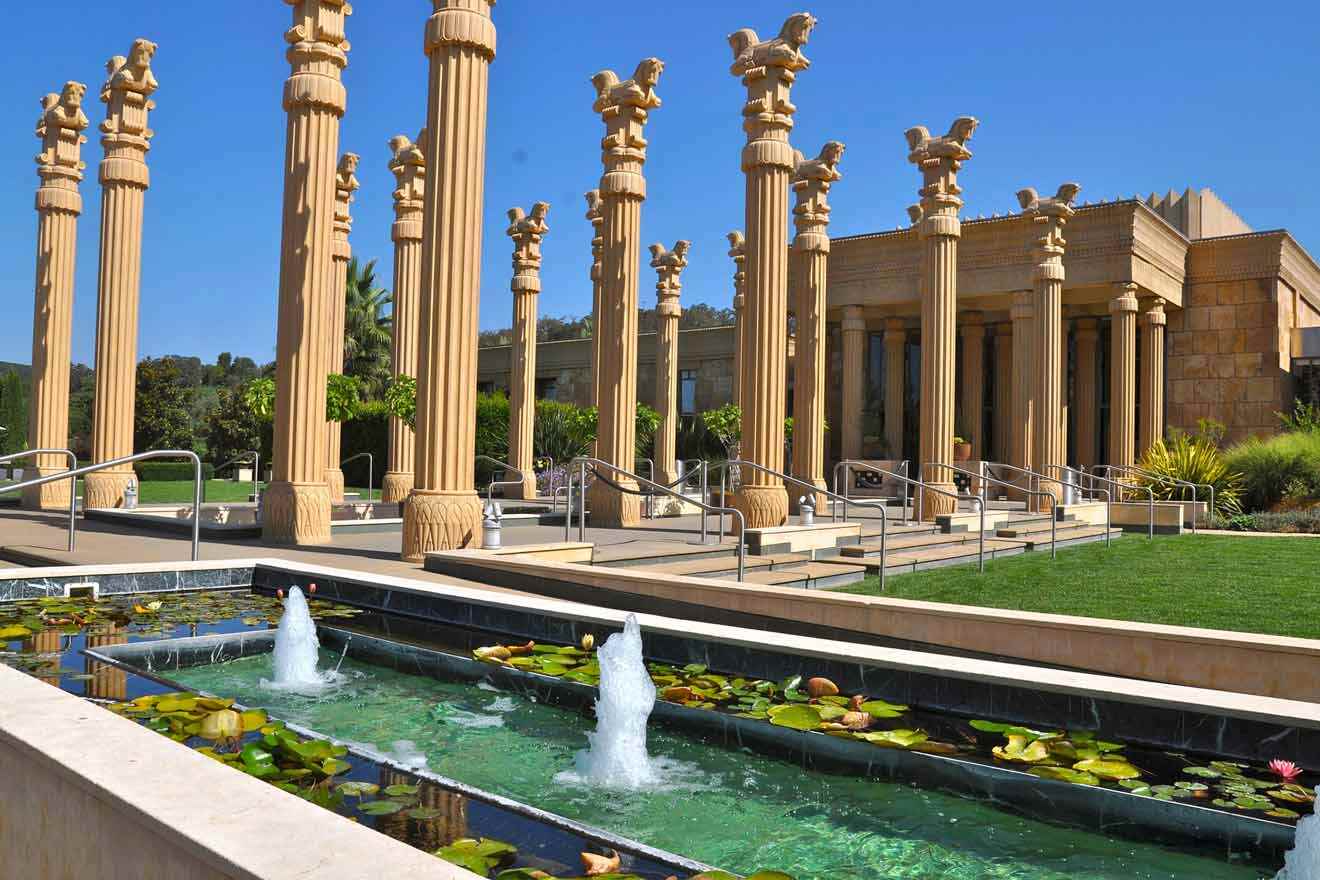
{"x": 170, "y": 471}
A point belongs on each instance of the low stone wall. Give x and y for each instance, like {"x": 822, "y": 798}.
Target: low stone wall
{"x": 90, "y": 794}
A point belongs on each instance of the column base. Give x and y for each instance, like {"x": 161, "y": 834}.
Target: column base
{"x": 934, "y": 504}
{"x": 334, "y": 481}
{"x": 106, "y": 488}
{"x": 396, "y": 486}
{"x": 437, "y": 520}
{"x": 52, "y": 496}
{"x": 1041, "y": 503}
{"x": 795, "y": 492}
{"x": 610, "y": 508}
{"x": 763, "y": 507}
{"x": 296, "y": 513}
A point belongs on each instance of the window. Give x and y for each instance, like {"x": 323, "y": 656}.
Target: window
{"x": 687, "y": 392}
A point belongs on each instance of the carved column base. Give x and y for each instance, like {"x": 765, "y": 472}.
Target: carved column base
{"x": 52, "y": 496}
{"x": 296, "y": 513}
{"x": 334, "y": 481}
{"x": 934, "y": 504}
{"x": 610, "y": 508}
{"x": 1042, "y": 504}
{"x": 106, "y": 488}
{"x": 396, "y": 486}
{"x": 795, "y": 492}
{"x": 762, "y": 506}
{"x": 438, "y": 520}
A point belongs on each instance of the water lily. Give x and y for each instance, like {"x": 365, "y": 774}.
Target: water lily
{"x": 598, "y": 865}
{"x": 1285, "y": 770}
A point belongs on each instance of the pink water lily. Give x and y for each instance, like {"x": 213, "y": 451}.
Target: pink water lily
{"x": 1285, "y": 770}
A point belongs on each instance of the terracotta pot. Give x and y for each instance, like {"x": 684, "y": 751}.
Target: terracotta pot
{"x": 962, "y": 452}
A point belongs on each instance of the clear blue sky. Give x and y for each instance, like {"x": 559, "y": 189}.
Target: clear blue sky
{"x": 1122, "y": 97}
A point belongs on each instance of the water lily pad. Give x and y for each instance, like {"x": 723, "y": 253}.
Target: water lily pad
{"x": 423, "y": 814}
{"x": 1283, "y": 813}
{"x": 253, "y": 719}
{"x": 903, "y": 739}
{"x": 14, "y": 631}
{"x": 382, "y": 808}
{"x": 798, "y": 716}
{"x": 1253, "y": 802}
{"x": 1291, "y": 793}
{"x": 1108, "y": 768}
{"x": 1065, "y": 774}
{"x": 1203, "y": 772}
{"x": 354, "y": 788}
{"x": 399, "y": 789}
{"x": 334, "y": 766}
{"x": 882, "y": 709}
{"x": 477, "y": 855}
{"x": 1021, "y": 751}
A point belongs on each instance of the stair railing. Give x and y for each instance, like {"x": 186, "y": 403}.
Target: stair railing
{"x": 847, "y": 466}
{"x": 1054, "y": 499}
{"x": 595, "y": 463}
{"x": 73, "y": 490}
{"x": 74, "y": 474}
{"x": 1119, "y": 488}
{"x": 371, "y": 470}
{"x": 242, "y": 458}
{"x": 1109, "y": 469}
{"x": 507, "y": 468}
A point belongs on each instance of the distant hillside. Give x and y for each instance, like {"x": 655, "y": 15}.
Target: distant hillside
{"x": 24, "y": 370}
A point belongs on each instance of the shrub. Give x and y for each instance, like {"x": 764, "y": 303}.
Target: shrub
{"x": 492, "y": 433}
{"x": 150, "y": 471}
{"x": 559, "y": 432}
{"x": 1284, "y": 466}
{"x": 232, "y": 429}
{"x": 1196, "y": 460}
{"x": 1297, "y": 521}
{"x": 367, "y": 431}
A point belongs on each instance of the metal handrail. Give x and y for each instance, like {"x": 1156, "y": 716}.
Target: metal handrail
{"x": 490, "y": 488}
{"x": 115, "y": 462}
{"x": 256, "y": 468}
{"x": 73, "y": 490}
{"x": 1121, "y": 487}
{"x": 371, "y": 469}
{"x": 550, "y": 469}
{"x": 723, "y": 466}
{"x": 1054, "y": 499}
{"x": 684, "y": 477}
{"x": 583, "y": 461}
{"x": 847, "y": 465}
{"x": 1167, "y": 480}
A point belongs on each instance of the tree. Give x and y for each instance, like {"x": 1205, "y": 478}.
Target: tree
{"x": 162, "y": 418}
{"x": 232, "y": 429}
{"x": 367, "y": 330}
{"x": 13, "y": 413}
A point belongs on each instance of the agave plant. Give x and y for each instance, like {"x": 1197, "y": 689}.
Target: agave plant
{"x": 1195, "y": 460}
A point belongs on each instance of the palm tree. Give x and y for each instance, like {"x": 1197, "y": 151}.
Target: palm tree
{"x": 367, "y": 329}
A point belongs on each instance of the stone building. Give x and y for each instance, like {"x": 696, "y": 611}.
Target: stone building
{"x": 1226, "y": 302}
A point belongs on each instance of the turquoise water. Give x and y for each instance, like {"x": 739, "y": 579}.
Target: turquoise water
{"x": 733, "y": 809}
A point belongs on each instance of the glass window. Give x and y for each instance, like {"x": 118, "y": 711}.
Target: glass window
{"x": 687, "y": 392}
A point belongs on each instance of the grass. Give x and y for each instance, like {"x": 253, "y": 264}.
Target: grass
{"x": 181, "y": 491}
{"x": 1248, "y": 584}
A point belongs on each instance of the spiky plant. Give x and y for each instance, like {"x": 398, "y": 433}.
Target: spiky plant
{"x": 367, "y": 329}
{"x": 1195, "y": 460}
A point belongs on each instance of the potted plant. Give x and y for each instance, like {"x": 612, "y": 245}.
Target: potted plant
{"x": 962, "y": 449}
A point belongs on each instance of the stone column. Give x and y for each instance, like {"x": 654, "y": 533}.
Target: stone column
{"x": 526, "y": 232}
{"x": 409, "y": 169}
{"x": 1152, "y": 376}
{"x": 854, "y": 382}
{"x": 668, "y": 265}
{"x": 895, "y": 340}
{"x": 938, "y": 159}
{"x": 443, "y": 512}
{"x": 738, "y": 251}
{"x": 767, "y": 69}
{"x": 59, "y": 168}
{"x": 124, "y": 181}
{"x": 1085, "y": 390}
{"x": 972, "y": 402}
{"x": 811, "y": 256}
{"x": 1049, "y": 216}
{"x": 624, "y": 107}
{"x": 1123, "y": 375}
{"x": 1020, "y": 445}
{"x": 345, "y": 185}
{"x": 596, "y": 219}
{"x": 1003, "y": 419}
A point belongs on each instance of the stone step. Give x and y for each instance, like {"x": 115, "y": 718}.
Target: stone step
{"x": 714, "y": 566}
{"x": 1080, "y": 534}
{"x": 872, "y": 530}
{"x": 934, "y": 557}
{"x": 645, "y": 553}
{"x": 1036, "y": 527}
{"x": 896, "y": 542}
{"x": 809, "y": 575}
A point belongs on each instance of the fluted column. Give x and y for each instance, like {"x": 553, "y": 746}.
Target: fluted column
{"x": 1049, "y": 216}
{"x": 895, "y": 340}
{"x": 297, "y": 505}
{"x": 938, "y": 159}
{"x": 854, "y": 382}
{"x": 596, "y": 219}
{"x": 1152, "y": 376}
{"x": 812, "y": 180}
{"x": 1085, "y": 390}
{"x": 58, "y": 204}
{"x": 1003, "y": 417}
{"x": 1123, "y": 375}
{"x": 345, "y": 185}
{"x": 738, "y": 251}
{"x": 767, "y": 69}
{"x": 972, "y": 401}
{"x": 1021, "y": 440}
{"x": 443, "y": 511}
{"x": 624, "y": 107}
{"x": 409, "y": 168}
{"x": 669, "y": 266}
{"x": 126, "y": 137}
{"x": 526, "y": 232}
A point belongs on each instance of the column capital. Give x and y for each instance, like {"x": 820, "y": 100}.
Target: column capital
{"x": 1125, "y": 298}
{"x": 768, "y": 69}
{"x": 938, "y": 159}
{"x": 1087, "y": 327}
{"x": 1154, "y": 314}
{"x": 597, "y": 220}
{"x": 854, "y": 319}
{"x": 970, "y": 320}
{"x": 1004, "y": 328}
{"x": 624, "y": 108}
{"x": 527, "y": 230}
{"x": 1048, "y": 216}
{"x": 669, "y": 266}
{"x": 408, "y": 165}
{"x": 895, "y": 329}
{"x": 346, "y": 184}
{"x": 125, "y": 134}
{"x": 811, "y": 183}
{"x": 461, "y": 23}
{"x": 59, "y": 164}
{"x": 318, "y": 54}
{"x": 738, "y": 251}
{"x": 1023, "y": 306}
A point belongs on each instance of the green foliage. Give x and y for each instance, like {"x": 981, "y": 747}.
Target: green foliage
{"x": 1306, "y": 521}
{"x": 401, "y": 399}
{"x": 492, "y": 436}
{"x": 726, "y": 424}
{"x": 342, "y": 397}
{"x": 367, "y": 431}
{"x": 162, "y": 418}
{"x": 1196, "y": 460}
{"x": 259, "y": 396}
{"x": 560, "y": 432}
{"x": 13, "y": 413}
{"x": 367, "y": 330}
{"x": 647, "y": 423}
{"x": 151, "y": 471}
{"x": 1286, "y": 466}
{"x": 232, "y": 428}
{"x": 1304, "y": 417}
{"x": 695, "y": 440}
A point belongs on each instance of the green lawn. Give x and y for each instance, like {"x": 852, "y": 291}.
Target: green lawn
{"x": 1265, "y": 585}
{"x": 181, "y": 491}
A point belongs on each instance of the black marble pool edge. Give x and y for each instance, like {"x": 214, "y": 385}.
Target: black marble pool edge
{"x": 140, "y": 658}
